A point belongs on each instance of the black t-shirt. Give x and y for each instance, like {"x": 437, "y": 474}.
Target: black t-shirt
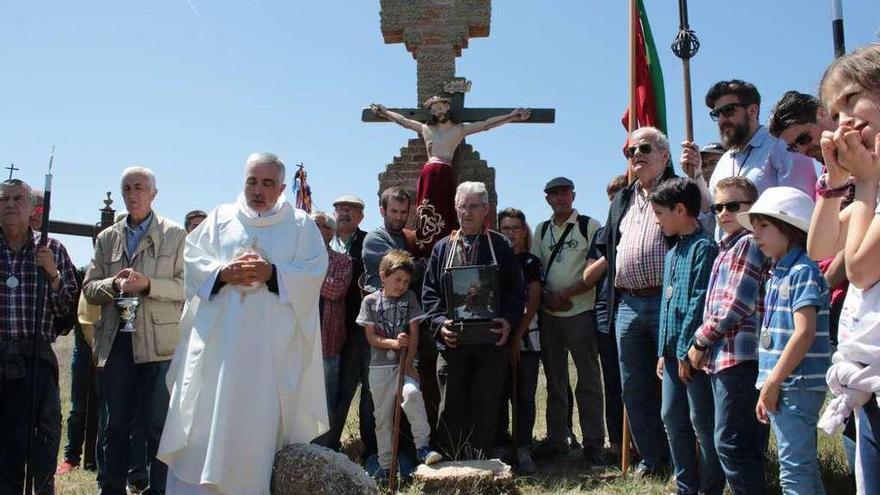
{"x": 531, "y": 267}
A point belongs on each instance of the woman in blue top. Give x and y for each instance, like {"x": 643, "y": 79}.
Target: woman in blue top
{"x": 793, "y": 350}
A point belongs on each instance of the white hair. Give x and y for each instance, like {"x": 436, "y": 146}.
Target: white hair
{"x": 329, "y": 221}
{"x": 653, "y": 132}
{"x": 7, "y": 184}
{"x": 264, "y": 157}
{"x": 468, "y": 188}
{"x": 138, "y": 170}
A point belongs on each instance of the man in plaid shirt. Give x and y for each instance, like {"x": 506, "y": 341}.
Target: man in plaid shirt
{"x": 21, "y": 259}
{"x": 726, "y": 344}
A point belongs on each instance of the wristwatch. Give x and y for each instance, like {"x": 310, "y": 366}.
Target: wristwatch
{"x": 823, "y": 190}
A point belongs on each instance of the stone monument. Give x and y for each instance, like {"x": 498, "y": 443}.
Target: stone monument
{"x": 435, "y": 32}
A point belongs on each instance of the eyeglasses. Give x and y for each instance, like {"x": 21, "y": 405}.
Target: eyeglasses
{"x": 725, "y": 110}
{"x": 509, "y": 228}
{"x": 644, "y": 148}
{"x": 731, "y": 206}
{"x": 803, "y": 139}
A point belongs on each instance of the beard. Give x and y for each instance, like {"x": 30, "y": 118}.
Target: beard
{"x": 738, "y": 139}
{"x": 442, "y": 118}
{"x": 395, "y": 225}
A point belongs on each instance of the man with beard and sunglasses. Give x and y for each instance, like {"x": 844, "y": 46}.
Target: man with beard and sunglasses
{"x": 751, "y": 151}
{"x": 435, "y": 211}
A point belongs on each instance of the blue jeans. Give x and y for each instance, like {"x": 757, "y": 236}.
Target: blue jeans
{"x": 869, "y": 450}
{"x": 636, "y": 327}
{"x": 739, "y": 437}
{"x": 794, "y": 425}
{"x": 331, "y": 380}
{"x": 688, "y": 409}
{"x": 128, "y": 391}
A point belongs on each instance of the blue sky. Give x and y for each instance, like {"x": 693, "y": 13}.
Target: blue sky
{"x": 189, "y": 89}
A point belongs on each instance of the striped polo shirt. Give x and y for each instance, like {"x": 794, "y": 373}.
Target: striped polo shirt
{"x": 795, "y": 283}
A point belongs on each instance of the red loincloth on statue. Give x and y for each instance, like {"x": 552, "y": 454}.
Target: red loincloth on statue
{"x": 435, "y": 210}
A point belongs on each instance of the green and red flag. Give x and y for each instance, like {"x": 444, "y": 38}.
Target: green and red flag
{"x": 650, "y": 94}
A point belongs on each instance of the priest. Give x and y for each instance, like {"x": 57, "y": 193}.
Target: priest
{"x": 247, "y": 376}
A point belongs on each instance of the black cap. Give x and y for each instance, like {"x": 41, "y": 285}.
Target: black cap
{"x": 558, "y": 182}
{"x": 717, "y": 148}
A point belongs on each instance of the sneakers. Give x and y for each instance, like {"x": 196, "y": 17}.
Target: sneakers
{"x": 524, "y": 461}
{"x": 66, "y": 467}
{"x": 548, "y": 448}
{"x": 381, "y": 475}
{"x": 371, "y": 465}
{"x": 596, "y": 457}
{"x": 428, "y": 456}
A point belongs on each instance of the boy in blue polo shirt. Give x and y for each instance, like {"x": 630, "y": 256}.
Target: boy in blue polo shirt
{"x": 793, "y": 346}
{"x": 687, "y": 405}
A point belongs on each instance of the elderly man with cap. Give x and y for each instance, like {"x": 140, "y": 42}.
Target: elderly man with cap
{"x": 568, "y": 321}
{"x": 354, "y": 363}
{"x": 193, "y": 219}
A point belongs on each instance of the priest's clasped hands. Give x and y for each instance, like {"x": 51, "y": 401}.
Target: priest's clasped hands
{"x": 247, "y": 269}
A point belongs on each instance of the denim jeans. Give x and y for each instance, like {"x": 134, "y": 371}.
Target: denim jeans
{"x": 739, "y": 437}
{"x": 794, "y": 425}
{"x": 82, "y": 423}
{"x": 688, "y": 409}
{"x": 636, "y": 326}
{"x": 869, "y": 450}
{"x": 610, "y": 361}
{"x": 127, "y": 391}
{"x": 331, "y": 380}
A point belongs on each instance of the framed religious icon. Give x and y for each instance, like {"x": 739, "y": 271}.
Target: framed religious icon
{"x": 472, "y": 298}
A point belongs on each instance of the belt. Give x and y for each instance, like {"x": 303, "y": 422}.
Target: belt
{"x": 646, "y": 292}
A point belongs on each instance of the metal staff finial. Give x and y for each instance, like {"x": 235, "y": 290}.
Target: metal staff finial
{"x": 685, "y": 46}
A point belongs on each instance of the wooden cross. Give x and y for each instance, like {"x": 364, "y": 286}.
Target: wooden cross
{"x": 12, "y": 168}
{"x": 435, "y": 32}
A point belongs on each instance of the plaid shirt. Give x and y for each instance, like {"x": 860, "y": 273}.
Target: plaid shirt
{"x": 685, "y": 278}
{"x": 734, "y": 303}
{"x": 333, "y": 303}
{"x": 642, "y": 247}
{"x": 18, "y": 305}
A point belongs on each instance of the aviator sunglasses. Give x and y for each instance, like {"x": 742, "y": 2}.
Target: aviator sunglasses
{"x": 644, "y": 148}
{"x": 731, "y": 206}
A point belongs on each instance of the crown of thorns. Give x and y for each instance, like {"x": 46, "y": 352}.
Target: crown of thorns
{"x": 436, "y": 99}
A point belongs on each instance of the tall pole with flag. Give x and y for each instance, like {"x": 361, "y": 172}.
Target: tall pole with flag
{"x": 647, "y": 97}
{"x": 837, "y": 28}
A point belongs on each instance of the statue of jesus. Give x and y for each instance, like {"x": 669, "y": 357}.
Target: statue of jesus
{"x": 435, "y": 209}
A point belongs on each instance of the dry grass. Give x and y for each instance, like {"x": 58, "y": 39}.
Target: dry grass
{"x": 567, "y": 477}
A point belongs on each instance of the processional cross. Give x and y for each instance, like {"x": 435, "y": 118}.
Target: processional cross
{"x": 12, "y": 168}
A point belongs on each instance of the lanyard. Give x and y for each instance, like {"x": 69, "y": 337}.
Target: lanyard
{"x": 774, "y": 296}
{"x": 737, "y": 171}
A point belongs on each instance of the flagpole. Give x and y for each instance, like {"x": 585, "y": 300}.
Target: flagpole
{"x": 837, "y": 28}
{"x": 685, "y": 46}
{"x": 632, "y": 125}
{"x": 29, "y": 477}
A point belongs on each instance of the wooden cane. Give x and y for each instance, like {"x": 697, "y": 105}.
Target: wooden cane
{"x": 398, "y": 398}
{"x": 624, "y": 444}
{"x": 514, "y": 412}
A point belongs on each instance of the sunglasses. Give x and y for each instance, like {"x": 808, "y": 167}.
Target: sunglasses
{"x": 644, "y": 148}
{"x": 725, "y": 110}
{"x": 803, "y": 139}
{"x": 731, "y": 206}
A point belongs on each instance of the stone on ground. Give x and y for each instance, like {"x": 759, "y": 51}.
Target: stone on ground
{"x": 313, "y": 470}
{"x": 465, "y": 476}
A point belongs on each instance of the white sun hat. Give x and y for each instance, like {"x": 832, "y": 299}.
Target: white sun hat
{"x": 784, "y": 203}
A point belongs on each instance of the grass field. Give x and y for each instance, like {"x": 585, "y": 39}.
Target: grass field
{"x": 559, "y": 477}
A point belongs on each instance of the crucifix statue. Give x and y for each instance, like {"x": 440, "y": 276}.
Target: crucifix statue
{"x": 435, "y": 32}
{"x": 12, "y": 168}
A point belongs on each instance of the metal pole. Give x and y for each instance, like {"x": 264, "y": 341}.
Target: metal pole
{"x": 837, "y": 27}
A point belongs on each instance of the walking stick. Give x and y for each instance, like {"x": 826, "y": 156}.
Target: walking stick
{"x": 398, "y": 397}
{"x": 624, "y": 444}
{"x": 39, "y": 307}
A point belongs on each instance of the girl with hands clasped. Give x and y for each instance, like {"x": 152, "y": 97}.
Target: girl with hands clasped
{"x": 850, "y": 89}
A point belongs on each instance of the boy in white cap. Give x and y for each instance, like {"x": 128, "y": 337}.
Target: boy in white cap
{"x": 793, "y": 345}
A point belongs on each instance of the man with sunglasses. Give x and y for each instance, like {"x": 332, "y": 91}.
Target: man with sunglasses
{"x": 799, "y": 119}
{"x": 752, "y": 151}
{"x": 634, "y": 248}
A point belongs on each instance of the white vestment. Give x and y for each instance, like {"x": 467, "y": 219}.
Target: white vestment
{"x": 247, "y": 377}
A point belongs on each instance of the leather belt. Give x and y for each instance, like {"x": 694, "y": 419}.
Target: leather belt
{"x": 646, "y": 292}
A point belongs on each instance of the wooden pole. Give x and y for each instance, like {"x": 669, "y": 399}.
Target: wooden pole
{"x": 632, "y": 126}
{"x": 393, "y": 482}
